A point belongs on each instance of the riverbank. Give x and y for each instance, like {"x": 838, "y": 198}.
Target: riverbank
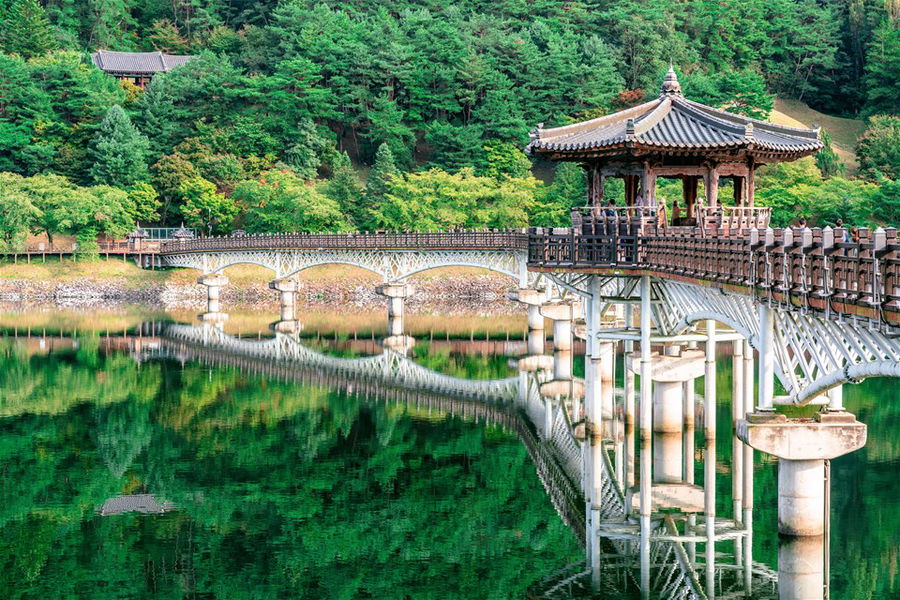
{"x": 101, "y": 283}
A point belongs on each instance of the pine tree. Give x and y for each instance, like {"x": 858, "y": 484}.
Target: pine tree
{"x": 343, "y": 188}
{"x": 383, "y": 170}
{"x": 25, "y": 30}
{"x": 118, "y": 151}
{"x": 828, "y": 160}
{"x": 883, "y": 71}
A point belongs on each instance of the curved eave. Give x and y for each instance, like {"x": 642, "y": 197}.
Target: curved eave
{"x": 564, "y": 151}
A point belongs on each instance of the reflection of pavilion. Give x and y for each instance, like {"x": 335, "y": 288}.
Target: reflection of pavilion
{"x": 139, "y": 503}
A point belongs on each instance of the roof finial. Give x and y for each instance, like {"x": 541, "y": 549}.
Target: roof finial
{"x": 670, "y": 86}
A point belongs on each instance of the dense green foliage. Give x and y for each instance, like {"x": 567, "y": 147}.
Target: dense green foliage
{"x": 316, "y": 88}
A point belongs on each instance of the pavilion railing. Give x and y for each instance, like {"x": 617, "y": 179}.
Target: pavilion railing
{"x": 486, "y": 239}
{"x": 814, "y": 268}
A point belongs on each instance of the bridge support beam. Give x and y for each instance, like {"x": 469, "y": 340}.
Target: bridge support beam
{"x": 287, "y": 289}
{"x": 802, "y": 448}
{"x": 646, "y": 424}
{"x": 533, "y": 299}
{"x": 396, "y": 294}
{"x": 671, "y": 373}
{"x": 563, "y": 315}
{"x": 214, "y": 283}
{"x": 801, "y": 567}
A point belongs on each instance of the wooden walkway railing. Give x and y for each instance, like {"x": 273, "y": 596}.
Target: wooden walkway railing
{"x": 812, "y": 268}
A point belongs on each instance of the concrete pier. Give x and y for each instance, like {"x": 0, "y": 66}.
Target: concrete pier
{"x": 670, "y": 373}
{"x": 287, "y": 289}
{"x": 802, "y": 446}
{"x": 563, "y": 315}
{"x": 396, "y": 294}
{"x": 214, "y": 283}
{"x": 801, "y": 568}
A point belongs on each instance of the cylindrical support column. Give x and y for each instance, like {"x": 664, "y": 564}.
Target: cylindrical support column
{"x": 836, "y": 399}
{"x": 562, "y": 366}
{"x": 629, "y": 403}
{"x": 605, "y": 358}
{"x": 288, "y": 305}
{"x": 287, "y": 291}
{"x": 747, "y": 460}
{"x": 646, "y": 426}
{"x": 688, "y": 460}
{"x": 801, "y": 497}
{"x": 737, "y": 447}
{"x": 395, "y": 315}
{"x": 668, "y": 417}
{"x": 766, "y": 358}
{"x": 598, "y": 358}
{"x": 709, "y": 462}
{"x": 396, "y": 294}
{"x": 562, "y": 335}
{"x": 801, "y": 568}
{"x": 535, "y": 342}
{"x": 687, "y": 394}
{"x": 214, "y": 283}
{"x": 535, "y": 318}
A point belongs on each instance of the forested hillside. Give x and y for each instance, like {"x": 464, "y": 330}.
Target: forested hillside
{"x": 289, "y": 103}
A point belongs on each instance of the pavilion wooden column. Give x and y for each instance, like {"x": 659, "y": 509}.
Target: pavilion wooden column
{"x": 596, "y": 183}
{"x": 689, "y": 185}
{"x": 740, "y": 190}
{"x": 751, "y": 183}
{"x": 711, "y": 184}
{"x": 631, "y": 188}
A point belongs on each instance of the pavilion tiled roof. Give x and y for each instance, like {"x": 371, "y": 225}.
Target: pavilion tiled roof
{"x": 148, "y": 63}
{"x": 674, "y": 123}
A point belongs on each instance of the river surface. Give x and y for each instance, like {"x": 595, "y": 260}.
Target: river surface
{"x": 132, "y": 473}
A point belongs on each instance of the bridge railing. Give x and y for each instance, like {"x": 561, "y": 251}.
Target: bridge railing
{"x": 509, "y": 239}
{"x": 816, "y": 268}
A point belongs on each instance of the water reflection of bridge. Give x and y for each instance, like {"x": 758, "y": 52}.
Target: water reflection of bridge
{"x": 542, "y": 422}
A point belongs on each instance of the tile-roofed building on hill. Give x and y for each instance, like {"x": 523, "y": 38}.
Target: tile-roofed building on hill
{"x": 138, "y": 67}
{"x": 673, "y": 137}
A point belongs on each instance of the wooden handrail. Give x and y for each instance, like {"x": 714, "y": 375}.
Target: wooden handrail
{"x": 809, "y": 268}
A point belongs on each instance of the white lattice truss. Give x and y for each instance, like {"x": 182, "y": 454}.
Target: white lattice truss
{"x": 391, "y": 265}
{"x": 814, "y": 352}
{"x": 389, "y": 366}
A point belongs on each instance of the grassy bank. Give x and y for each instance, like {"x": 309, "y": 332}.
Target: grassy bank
{"x": 129, "y": 275}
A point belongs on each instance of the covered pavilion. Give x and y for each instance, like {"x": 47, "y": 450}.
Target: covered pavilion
{"x": 673, "y": 137}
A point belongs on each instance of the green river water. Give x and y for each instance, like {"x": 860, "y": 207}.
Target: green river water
{"x": 252, "y": 488}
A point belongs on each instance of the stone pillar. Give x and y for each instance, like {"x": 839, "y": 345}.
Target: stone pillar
{"x": 670, "y": 373}
{"x": 287, "y": 289}
{"x": 801, "y": 568}
{"x": 737, "y": 447}
{"x": 709, "y": 459}
{"x": 213, "y": 283}
{"x": 629, "y": 401}
{"x": 535, "y": 343}
{"x": 562, "y": 365}
{"x": 533, "y": 299}
{"x": 396, "y": 293}
{"x": 802, "y": 446}
{"x": 801, "y": 497}
{"x": 562, "y": 314}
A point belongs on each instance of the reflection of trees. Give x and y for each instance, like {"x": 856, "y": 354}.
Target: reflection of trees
{"x": 121, "y": 431}
{"x": 283, "y": 491}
